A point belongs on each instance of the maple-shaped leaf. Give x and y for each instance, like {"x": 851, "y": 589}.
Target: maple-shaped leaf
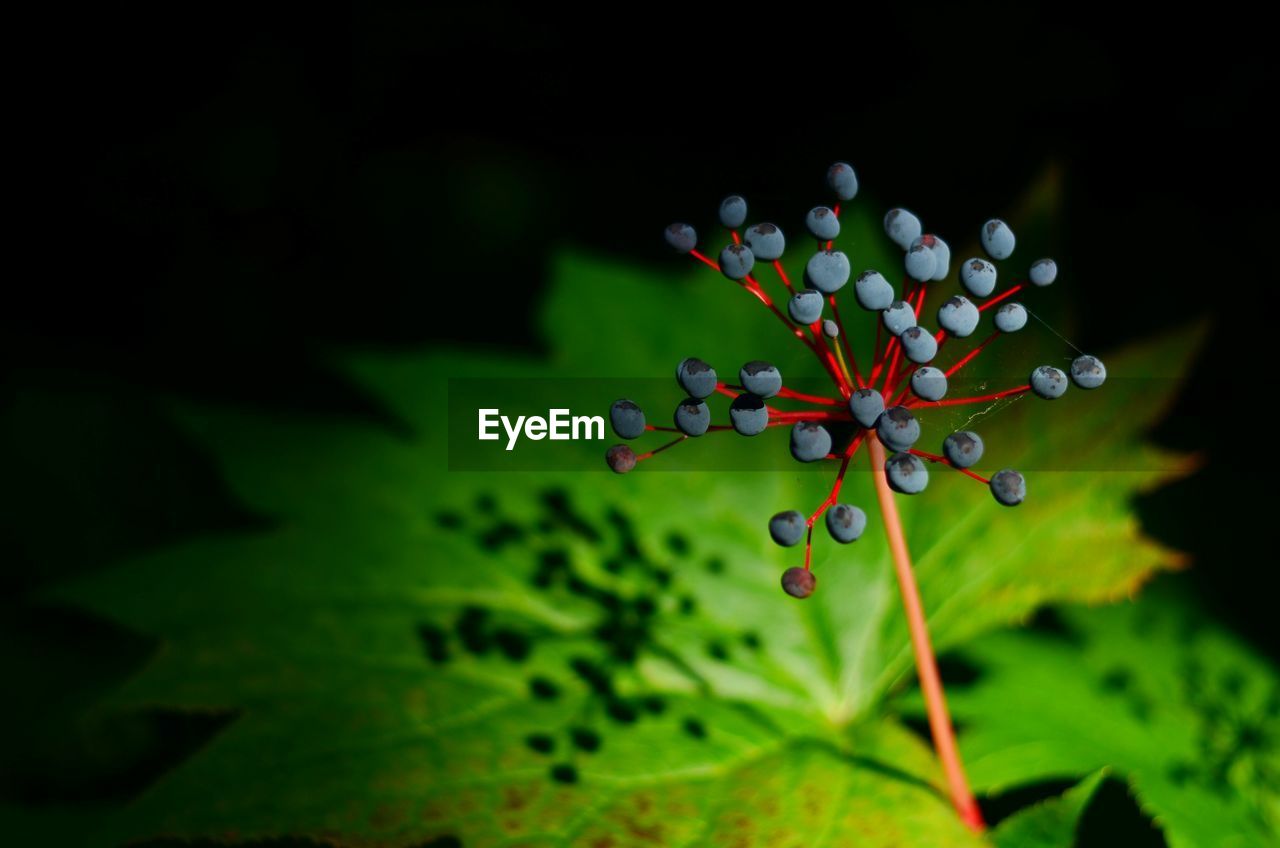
{"x": 414, "y": 653}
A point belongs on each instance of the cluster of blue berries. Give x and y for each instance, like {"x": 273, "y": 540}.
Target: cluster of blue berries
{"x": 878, "y": 405}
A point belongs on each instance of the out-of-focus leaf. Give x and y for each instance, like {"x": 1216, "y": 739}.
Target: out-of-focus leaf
{"x": 1051, "y": 823}
{"x": 1162, "y": 696}
{"x": 406, "y": 641}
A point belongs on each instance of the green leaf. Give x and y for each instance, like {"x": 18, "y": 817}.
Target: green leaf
{"x": 1154, "y": 691}
{"x": 1051, "y": 823}
{"x": 385, "y": 641}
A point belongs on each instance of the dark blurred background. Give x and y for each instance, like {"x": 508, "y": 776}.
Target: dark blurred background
{"x": 207, "y": 204}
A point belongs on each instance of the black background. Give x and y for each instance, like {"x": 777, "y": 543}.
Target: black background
{"x": 206, "y": 205}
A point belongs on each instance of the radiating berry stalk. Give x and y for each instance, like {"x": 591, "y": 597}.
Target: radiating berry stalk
{"x": 877, "y": 406}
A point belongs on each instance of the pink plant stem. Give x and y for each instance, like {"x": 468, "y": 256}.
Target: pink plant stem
{"x": 944, "y": 740}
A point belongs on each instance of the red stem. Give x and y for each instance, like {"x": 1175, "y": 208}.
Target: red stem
{"x": 658, "y": 450}
{"x": 806, "y": 415}
{"x": 825, "y": 401}
{"x": 777, "y": 266}
{"x": 993, "y": 301}
{"x": 942, "y": 460}
{"x": 844, "y": 342}
{"x": 971, "y": 354}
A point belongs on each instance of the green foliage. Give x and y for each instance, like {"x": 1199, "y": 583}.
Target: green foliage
{"x": 1051, "y": 823}
{"x": 573, "y": 658}
{"x": 1173, "y": 703}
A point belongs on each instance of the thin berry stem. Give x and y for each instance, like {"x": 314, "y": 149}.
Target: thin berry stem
{"x": 789, "y": 394}
{"x": 920, "y": 303}
{"x": 660, "y": 449}
{"x": 844, "y": 342}
{"x": 944, "y": 740}
{"x": 817, "y": 345}
{"x": 969, "y": 357}
{"x": 805, "y": 415}
{"x": 828, "y": 359}
{"x": 979, "y": 399}
{"x": 889, "y": 383}
{"x": 905, "y": 382}
{"x": 736, "y": 238}
{"x": 782, "y": 275}
{"x": 808, "y": 547}
{"x": 876, "y": 357}
{"x": 835, "y": 210}
{"x": 657, "y": 428}
{"x": 1005, "y": 294}
{"x": 942, "y": 460}
{"x": 704, "y": 260}
{"x": 733, "y": 392}
{"x": 845, "y": 457}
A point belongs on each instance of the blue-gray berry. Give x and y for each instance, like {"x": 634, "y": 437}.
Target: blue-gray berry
{"x": 765, "y": 240}
{"x": 963, "y": 449}
{"x": 787, "y": 528}
{"x": 958, "y": 316}
{"x": 1049, "y": 382}
{"x": 1009, "y": 487}
{"x": 918, "y": 344}
{"x": 681, "y": 237}
{"x": 1088, "y": 372}
{"x": 627, "y": 419}
{"x": 692, "y": 417}
{"x": 978, "y": 276}
{"x": 736, "y": 261}
{"x": 822, "y": 223}
{"x": 866, "y": 405}
{"x": 827, "y": 271}
{"x": 907, "y": 473}
{"x": 810, "y": 441}
{"x": 842, "y": 180}
{"x": 997, "y": 239}
{"x": 898, "y": 317}
{"x": 748, "y": 414}
{"x": 902, "y": 226}
{"x": 1044, "y": 272}
{"x": 805, "y": 306}
{"x": 1011, "y": 317}
{"x": 929, "y": 383}
{"x": 760, "y": 378}
{"x": 920, "y": 262}
{"x": 941, "y": 254}
{"x": 696, "y": 377}
{"x": 733, "y": 211}
{"x": 873, "y": 291}
{"x": 846, "y": 523}
{"x": 898, "y": 428}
